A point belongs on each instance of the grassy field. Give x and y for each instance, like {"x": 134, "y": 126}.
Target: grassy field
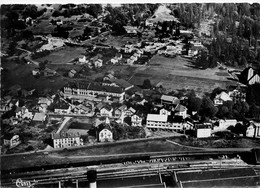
{"x": 118, "y": 41}
{"x": 63, "y": 56}
{"x": 179, "y": 73}
{"x": 94, "y": 153}
{"x": 22, "y": 75}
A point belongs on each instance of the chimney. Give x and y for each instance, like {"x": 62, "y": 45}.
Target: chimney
{"x": 92, "y": 177}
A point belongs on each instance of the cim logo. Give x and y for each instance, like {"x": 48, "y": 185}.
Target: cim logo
{"x": 23, "y": 183}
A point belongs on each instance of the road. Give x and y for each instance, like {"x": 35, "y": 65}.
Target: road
{"x": 28, "y": 57}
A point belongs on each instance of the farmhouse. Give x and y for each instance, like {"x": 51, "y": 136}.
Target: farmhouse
{"x": 170, "y": 100}
{"x": 62, "y": 108}
{"x": 105, "y": 135}
{"x": 106, "y": 111}
{"x": 98, "y": 63}
{"x": 11, "y": 140}
{"x": 181, "y": 110}
{"x": 136, "y": 120}
{"x": 163, "y": 111}
{"x": 72, "y": 73}
{"x": 253, "y": 130}
{"x": 220, "y": 98}
{"x": 82, "y": 59}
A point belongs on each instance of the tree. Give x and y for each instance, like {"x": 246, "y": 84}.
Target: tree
{"x": 147, "y": 84}
{"x": 207, "y": 108}
{"x": 194, "y": 103}
{"x": 94, "y": 10}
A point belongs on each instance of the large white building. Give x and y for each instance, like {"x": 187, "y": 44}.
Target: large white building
{"x": 93, "y": 89}
{"x": 157, "y": 121}
{"x": 64, "y": 140}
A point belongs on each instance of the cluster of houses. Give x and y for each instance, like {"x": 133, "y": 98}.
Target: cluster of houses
{"x": 96, "y": 61}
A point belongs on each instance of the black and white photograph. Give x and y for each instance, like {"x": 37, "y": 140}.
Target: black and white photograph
{"x": 130, "y": 94}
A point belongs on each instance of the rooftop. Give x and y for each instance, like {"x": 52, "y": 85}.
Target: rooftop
{"x": 157, "y": 117}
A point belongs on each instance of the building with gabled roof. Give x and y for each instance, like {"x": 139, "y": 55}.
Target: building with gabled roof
{"x": 136, "y": 120}
{"x": 181, "y": 110}
{"x": 106, "y": 111}
{"x": 156, "y": 121}
{"x": 249, "y": 76}
{"x": 11, "y": 140}
{"x": 171, "y": 100}
{"x": 122, "y": 83}
{"x": 220, "y": 98}
{"x": 92, "y": 89}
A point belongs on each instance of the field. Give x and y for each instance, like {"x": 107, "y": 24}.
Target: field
{"x": 63, "y": 56}
{"x": 22, "y": 75}
{"x": 179, "y": 73}
{"x": 96, "y": 152}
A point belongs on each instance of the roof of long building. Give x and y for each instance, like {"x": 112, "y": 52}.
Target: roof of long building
{"x": 94, "y": 86}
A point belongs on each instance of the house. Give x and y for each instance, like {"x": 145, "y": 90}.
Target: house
{"x": 220, "y": 98}
{"x": 39, "y": 117}
{"x": 106, "y": 111}
{"x": 72, "y": 73}
{"x": 130, "y": 61}
{"x": 114, "y": 60}
{"x": 249, "y": 76}
{"x": 131, "y": 30}
{"x": 23, "y": 112}
{"x": 49, "y": 72}
{"x": 223, "y": 124}
{"x": 82, "y": 59}
{"x": 43, "y": 103}
{"x": 11, "y": 140}
{"x": 141, "y": 101}
{"x": 82, "y": 109}
{"x": 105, "y": 135}
{"x": 169, "y": 100}
{"x": 203, "y": 130}
{"x": 98, "y": 63}
{"x": 64, "y": 140}
{"x": 35, "y": 72}
{"x": 181, "y": 110}
{"x": 134, "y": 58}
{"x": 121, "y": 83}
{"x": 130, "y": 111}
{"x": 156, "y": 121}
{"x": 163, "y": 111}
{"x": 253, "y": 130}
{"x": 62, "y": 108}
{"x": 59, "y": 22}
{"x": 136, "y": 120}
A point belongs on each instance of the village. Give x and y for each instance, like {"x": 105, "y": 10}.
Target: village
{"x": 98, "y": 103}
{"x": 87, "y": 113}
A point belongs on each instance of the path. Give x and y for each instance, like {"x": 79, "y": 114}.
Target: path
{"x": 66, "y": 119}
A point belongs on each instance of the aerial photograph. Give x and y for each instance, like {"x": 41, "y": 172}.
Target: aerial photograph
{"x": 140, "y": 95}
